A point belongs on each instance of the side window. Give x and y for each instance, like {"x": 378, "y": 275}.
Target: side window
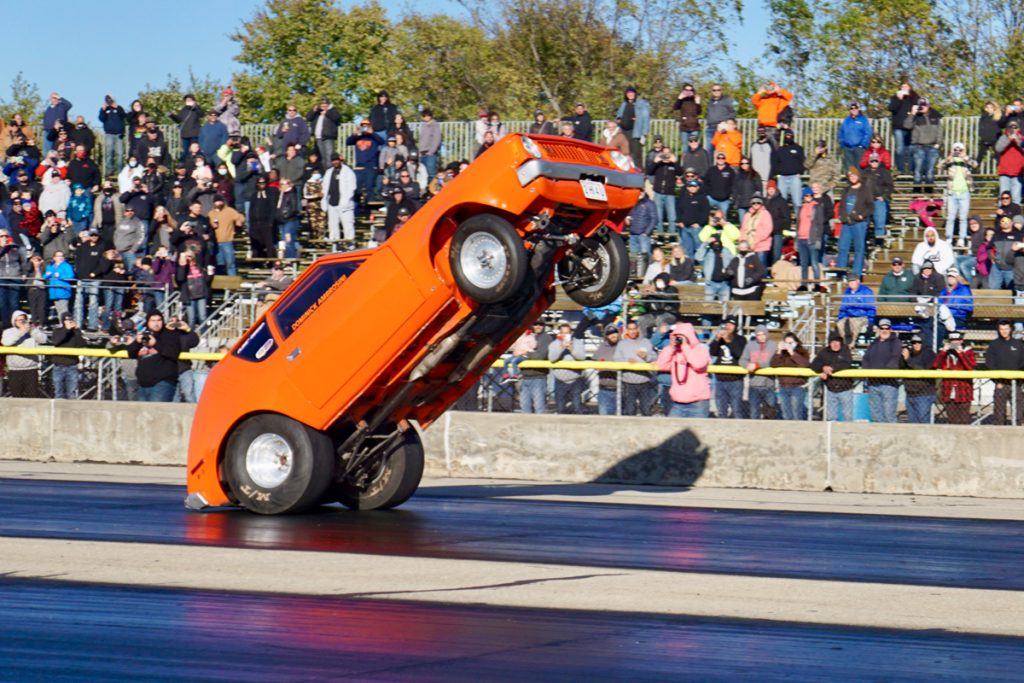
{"x": 258, "y": 345}
{"x": 314, "y": 288}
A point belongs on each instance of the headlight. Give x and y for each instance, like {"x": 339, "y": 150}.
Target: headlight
{"x": 623, "y": 161}
{"x": 531, "y": 147}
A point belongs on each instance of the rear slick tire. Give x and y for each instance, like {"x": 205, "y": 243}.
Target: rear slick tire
{"x": 395, "y": 482}
{"x": 275, "y": 465}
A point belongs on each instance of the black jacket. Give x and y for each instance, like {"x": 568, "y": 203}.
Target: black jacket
{"x": 583, "y": 127}
{"x": 879, "y": 180}
{"x": 382, "y": 115}
{"x": 778, "y": 208}
{"x": 933, "y": 286}
{"x": 84, "y": 172}
{"x": 727, "y": 353}
{"x": 88, "y": 258}
{"x": 900, "y": 109}
{"x": 63, "y": 337}
{"x": 263, "y": 210}
{"x": 692, "y": 209}
{"x": 921, "y": 361}
{"x": 287, "y": 208}
{"x": 863, "y": 207}
{"x": 838, "y": 361}
{"x": 332, "y": 118}
{"x": 190, "y": 119}
{"x": 1005, "y": 354}
{"x": 988, "y": 129}
{"x": 663, "y": 174}
{"x": 719, "y": 182}
{"x": 788, "y": 160}
{"x": 157, "y": 363}
{"x": 744, "y": 187}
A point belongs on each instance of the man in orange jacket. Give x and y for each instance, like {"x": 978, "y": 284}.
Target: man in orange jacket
{"x": 729, "y": 141}
{"x": 769, "y": 101}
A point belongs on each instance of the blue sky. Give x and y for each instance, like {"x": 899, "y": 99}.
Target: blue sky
{"x": 152, "y": 40}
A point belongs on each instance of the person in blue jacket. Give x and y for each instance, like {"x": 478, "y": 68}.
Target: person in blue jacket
{"x": 956, "y": 304}
{"x": 367, "y": 146}
{"x": 854, "y": 136}
{"x": 59, "y": 275}
{"x": 212, "y": 135}
{"x": 856, "y": 310}
{"x": 57, "y": 110}
{"x": 113, "y": 118}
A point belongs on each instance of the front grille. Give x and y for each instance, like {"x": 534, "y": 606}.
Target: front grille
{"x": 559, "y": 151}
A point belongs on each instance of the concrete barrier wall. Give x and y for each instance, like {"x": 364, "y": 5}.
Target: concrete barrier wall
{"x": 852, "y": 457}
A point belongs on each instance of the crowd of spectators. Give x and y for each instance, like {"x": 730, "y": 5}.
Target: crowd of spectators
{"x": 84, "y": 240}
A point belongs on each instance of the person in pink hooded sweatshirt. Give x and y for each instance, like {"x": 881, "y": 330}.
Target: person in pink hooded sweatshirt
{"x": 687, "y": 361}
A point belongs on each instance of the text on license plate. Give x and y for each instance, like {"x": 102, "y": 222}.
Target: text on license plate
{"x": 593, "y": 189}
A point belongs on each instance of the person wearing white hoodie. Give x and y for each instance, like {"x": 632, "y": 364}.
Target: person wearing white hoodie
{"x": 23, "y": 371}
{"x": 938, "y": 251}
{"x": 55, "y": 195}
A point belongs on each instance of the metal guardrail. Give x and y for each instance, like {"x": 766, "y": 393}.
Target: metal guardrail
{"x": 459, "y": 137}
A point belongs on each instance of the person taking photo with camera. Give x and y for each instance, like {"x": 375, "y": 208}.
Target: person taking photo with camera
{"x": 157, "y": 350}
{"x": 687, "y": 361}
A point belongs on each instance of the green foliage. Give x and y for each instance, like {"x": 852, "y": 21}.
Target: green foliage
{"x": 296, "y": 51}
{"x": 24, "y": 99}
{"x": 163, "y": 101}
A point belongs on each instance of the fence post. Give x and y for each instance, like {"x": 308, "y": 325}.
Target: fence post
{"x": 824, "y": 402}
{"x": 935, "y": 326}
{"x": 1013, "y": 400}
{"x": 618, "y": 392}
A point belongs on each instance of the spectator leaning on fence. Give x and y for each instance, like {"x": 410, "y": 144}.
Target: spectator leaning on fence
{"x": 884, "y": 353}
{"x": 607, "y": 380}
{"x": 792, "y": 390}
{"x": 834, "y": 358}
{"x": 65, "y": 368}
{"x": 757, "y": 354}
{"x": 568, "y": 383}
{"x": 23, "y": 371}
{"x": 638, "y": 391}
{"x": 726, "y": 349}
{"x": 686, "y": 360}
{"x": 1006, "y": 353}
{"x": 920, "y": 392}
{"x": 957, "y": 394}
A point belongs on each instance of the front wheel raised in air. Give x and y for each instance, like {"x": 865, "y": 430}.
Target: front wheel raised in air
{"x": 393, "y": 477}
{"x": 275, "y": 465}
{"x": 594, "y": 272}
{"x": 488, "y": 259}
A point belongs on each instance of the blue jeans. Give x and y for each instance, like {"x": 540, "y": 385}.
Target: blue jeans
{"x": 607, "y": 402}
{"x": 640, "y": 244}
{"x": 161, "y": 392}
{"x": 901, "y": 149}
{"x": 88, "y": 290}
{"x": 186, "y": 388}
{"x": 925, "y": 157}
{"x": 689, "y": 241}
{"x": 809, "y": 259}
{"x": 958, "y": 206}
{"x": 715, "y": 291}
{"x": 666, "y": 205}
{"x": 881, "y": 217}
{"x": 10, "y": 296}
{"x": 695, "y": 409}
{"x": 919, "y": 408}
{"x": 722, "y": 204}
{"x": 366, "y": 178}
{"x": 638, "y": 398}
{"x": 1011, "y": 184}
{"x": 429, "y": 162}
{"x": 569, "y": 397}
{"x": 709, "y": 134}
{"x": 196, "y": 312}
{"x": 839, "y": 406}
{"x": 855, "y": 234}
{"x": 760, "y": 396}
{"x": 851, "y": 156}
{"x": 290, "y": 235}
{"x": 741, "y": 212}
{"x": 65, "y": 381}
{"x": 113, "y": 298}
{"x": 967, "y": 265}
{"x": 882, "y": 402}
{"x": 532, "y": 395}
{"x": 129, "y": 260}
{"x": 729, "y": 398}
{"x": 793, "y": 403}
{"x": 792, "y": 189}
{"x": 999, "y": 278}
{"x": 226, "y": 257}
{"x": 113, "y": 153}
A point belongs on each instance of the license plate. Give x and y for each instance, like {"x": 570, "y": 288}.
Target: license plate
{"x": 593, "y": 189}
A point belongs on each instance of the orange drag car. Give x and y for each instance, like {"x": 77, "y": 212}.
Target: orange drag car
{"x": 314, "y": 404}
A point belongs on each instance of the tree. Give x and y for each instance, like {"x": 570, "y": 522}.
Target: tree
{"x": 24, "y": 99}
{"x": 160, "y": 103}
{"x": 296, "y": 51}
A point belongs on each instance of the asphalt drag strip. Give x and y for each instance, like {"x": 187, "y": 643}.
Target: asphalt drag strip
{"x": 73, "y": 632}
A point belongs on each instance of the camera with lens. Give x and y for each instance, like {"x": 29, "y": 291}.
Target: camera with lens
{"x": 146, "y": 338}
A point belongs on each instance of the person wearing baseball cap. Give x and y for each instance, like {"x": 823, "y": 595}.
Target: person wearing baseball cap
{"x": 925, "y": 128}
{"x": 884, "y": 353}
{"x": 854, "y": 135}
{"x": 855, "y": 208}
{"x": 920, "y": 392}
{"x": 896, "y": 284}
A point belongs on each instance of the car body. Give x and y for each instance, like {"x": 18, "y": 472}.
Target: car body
{"x": 367, "y": 341}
